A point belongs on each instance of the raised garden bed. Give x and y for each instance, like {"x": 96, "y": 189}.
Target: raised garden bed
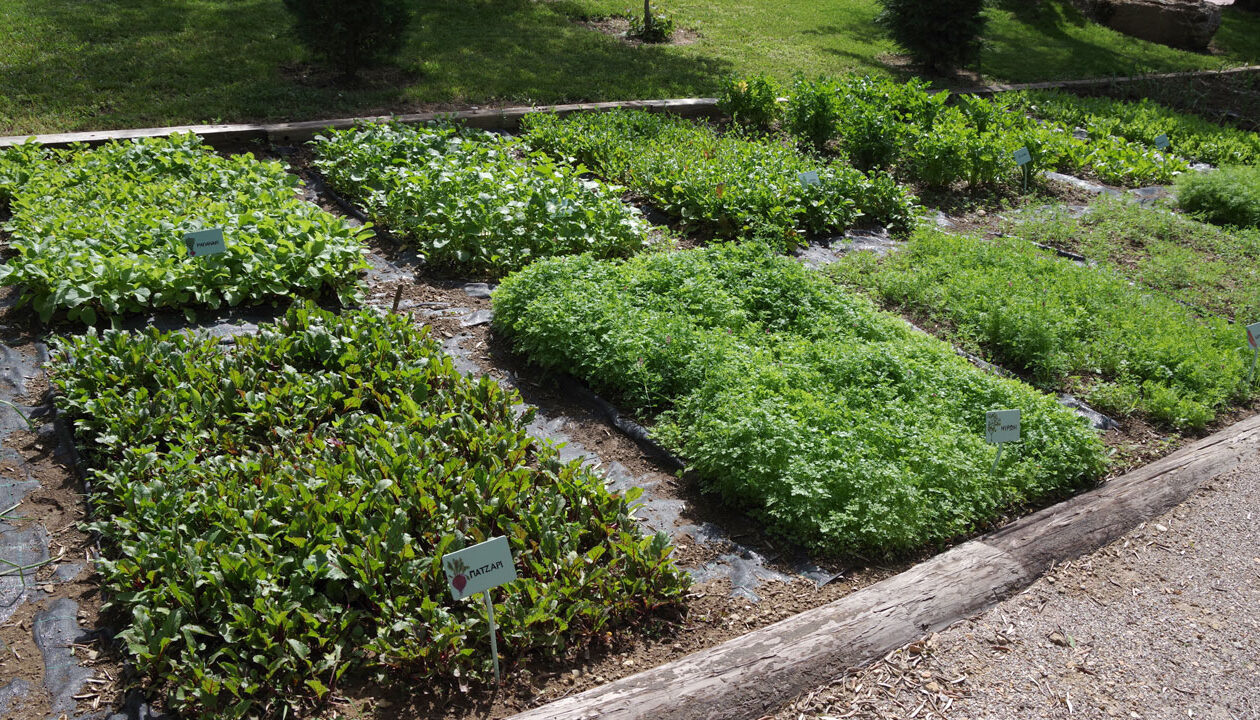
{"x": 788, "y": 394}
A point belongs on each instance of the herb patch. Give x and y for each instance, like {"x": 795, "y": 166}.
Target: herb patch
{"x": 274, "y": 517}
{"x": 723, "y": 185}
{"x": 1086, "y": 330}
{"x": 101, "y": 231}
{"x": 475, "y": 202}
{"x": 837, "y": 425}
{"x": 1210, "y": 269}
{"x": 1228, "y": 196}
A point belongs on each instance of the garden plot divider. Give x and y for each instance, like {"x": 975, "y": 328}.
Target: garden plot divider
{"x": 508, "y": 118}
{"x": 759, "y": 672}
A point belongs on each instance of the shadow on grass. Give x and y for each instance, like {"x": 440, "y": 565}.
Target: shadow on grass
{"x": 156, "y": 62}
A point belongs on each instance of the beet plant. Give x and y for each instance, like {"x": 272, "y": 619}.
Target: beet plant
{"x": 273, "y": 516}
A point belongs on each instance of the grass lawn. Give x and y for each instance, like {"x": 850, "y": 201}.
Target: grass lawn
{"x": 67, "y": 65}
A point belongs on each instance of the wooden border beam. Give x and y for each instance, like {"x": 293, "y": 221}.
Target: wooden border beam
{"x": 755, "y": 674}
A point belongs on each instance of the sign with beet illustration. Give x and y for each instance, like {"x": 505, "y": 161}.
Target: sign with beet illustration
{"x": 480, "y": 567}
{"x": 205, "y": 242}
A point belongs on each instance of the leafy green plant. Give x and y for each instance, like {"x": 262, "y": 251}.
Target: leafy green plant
{"x": 350, "y": 35}
{"x": 908, "y": 130}
{"x": 1080, "y": 329}
{"x": 273, "y": 518}
{"x": 722, "y": 185}
{"x": 1208, "y": 268}
{"x": 100, "y": 231}
{"x": 752, "y": 102}
{"x": 1190, "y": 136}
{"x": 474, "y": 202}
{"x": 653, "y": 26}
{"x": 940, "y": 35}
{"x": 1228, "y": 196}
{"x": 837, "y": 425}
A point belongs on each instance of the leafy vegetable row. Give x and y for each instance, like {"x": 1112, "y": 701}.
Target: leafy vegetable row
{"x": 274, "y": 517}
{"x": 1190, "y": 136}
{"x": 1085, "y": 330}
{"x": 905, "y": 128}
{"x": 476, "y": 202}
{"x": 722, "y": 185}
{"x": 838, "y": 425}
{"x": 100, "y": 231}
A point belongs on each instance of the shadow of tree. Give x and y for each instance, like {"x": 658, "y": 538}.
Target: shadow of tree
{"x": 135, "y": 62}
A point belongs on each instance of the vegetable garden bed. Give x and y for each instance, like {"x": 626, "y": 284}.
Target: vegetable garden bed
{"x": 821, "y": 421}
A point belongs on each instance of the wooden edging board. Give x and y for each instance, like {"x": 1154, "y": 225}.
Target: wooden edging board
{"x": 509, "y": 118}
{"x": 749, "y": 676}
{"x": 297, "y": 132}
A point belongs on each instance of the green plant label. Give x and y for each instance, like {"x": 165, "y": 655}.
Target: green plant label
{"x": 1161, "y": 142}
{"x": 1253, "y": 335}
{"x": 478, "y": 568}
{"x": 1022, "y": 157}
{"x": 1001, "y": 426}
{"x": 809, "y": 177}
{"x": 205, "y": 242}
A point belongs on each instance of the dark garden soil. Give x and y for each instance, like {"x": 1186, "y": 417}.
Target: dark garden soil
{"x": 619, "y": 27}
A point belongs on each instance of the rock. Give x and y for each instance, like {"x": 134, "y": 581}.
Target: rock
{"x": 1186, "y": 24}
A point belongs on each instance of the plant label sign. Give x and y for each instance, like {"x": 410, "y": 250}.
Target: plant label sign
{"x": 809, "y": 178}
{"x": 205, "y": 242}
{"x": 1001, "y": 426}
{"x": 1161, "y": 142}
{"x": 1253, "y": 335}
{"x": 1022, "y": 157}
{"x": 480, "y": 567}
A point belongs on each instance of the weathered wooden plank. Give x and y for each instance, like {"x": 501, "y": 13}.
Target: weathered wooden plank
{"x": 751, "y": 675}
{"x": 292, "y": 133}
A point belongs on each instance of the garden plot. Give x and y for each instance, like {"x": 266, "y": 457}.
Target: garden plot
{"x": 475, "y": 203}
{"x": 1205, "y": 267}
{"x": 106, "y": 231}
{"x": 834, "y": 384}
{"x": 839, "y": 427}
{"x": 724, "y": 185}
{"x": 1079, "y": 329}
{"x": 937, "y": 141}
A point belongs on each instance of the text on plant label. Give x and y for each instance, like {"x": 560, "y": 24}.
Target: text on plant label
{"x": 809, "y": 177}
{"x": 478, "y": 568}
{"x": 1161, "y": 142}
{"x": 205, "y": 242}
{"x": 1022, "y": 157}
{"x": 1253, "y": 335}
{"x": 1001, "y": 426}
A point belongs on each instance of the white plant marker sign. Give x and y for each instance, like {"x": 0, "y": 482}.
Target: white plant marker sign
{"x": 1022, "y": 158}
{"x": 1161, "y": 142}
{"x": 809, "y": 178}
{"x": 205, "y": 242}
{"x": 477, "y": 569}
{"x": 1001, "y": 427}
{"x": 1253, "y": 339}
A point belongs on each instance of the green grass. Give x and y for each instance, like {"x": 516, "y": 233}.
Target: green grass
{"x": 66, "y": 65}
{"x": 1068, "y": 327}
{"x": 1199, "y": 264}
{"x": 837, "y": 425}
